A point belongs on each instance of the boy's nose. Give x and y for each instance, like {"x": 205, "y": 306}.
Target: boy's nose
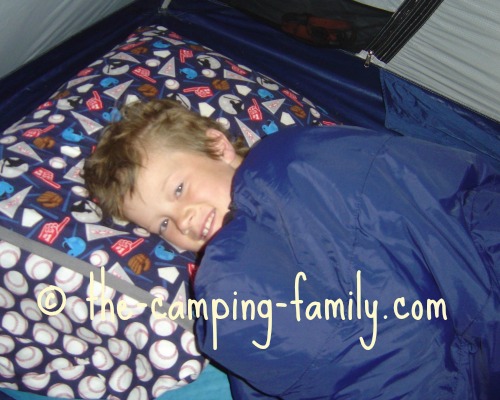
{"x": 185, "y": 222}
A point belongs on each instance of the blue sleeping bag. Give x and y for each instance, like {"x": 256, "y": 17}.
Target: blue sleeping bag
{"x": 356, "y": 265}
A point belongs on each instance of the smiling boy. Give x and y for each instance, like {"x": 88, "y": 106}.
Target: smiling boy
{"x": 419, "y": 221}
{"x": 181, "y": 195}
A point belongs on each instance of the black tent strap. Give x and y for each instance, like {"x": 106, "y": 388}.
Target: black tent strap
{"x": 403, "y": 24}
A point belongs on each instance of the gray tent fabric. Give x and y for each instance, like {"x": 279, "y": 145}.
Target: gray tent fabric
{"x": 455, "y": 54}
{"x": 29, "y": 28}
{"x": 388, "y": 5}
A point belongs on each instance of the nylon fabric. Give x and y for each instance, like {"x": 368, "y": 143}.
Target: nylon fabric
{"x": 402, "y": 213}
{"x": 414, "y": 111}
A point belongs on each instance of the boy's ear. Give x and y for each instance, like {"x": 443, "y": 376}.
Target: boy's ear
{"x": 223, "y": 146}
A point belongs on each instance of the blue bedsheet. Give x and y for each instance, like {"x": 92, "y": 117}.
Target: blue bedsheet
{"x": 211, "y": 385}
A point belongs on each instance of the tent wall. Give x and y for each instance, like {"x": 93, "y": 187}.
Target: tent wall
{"x": 29, "y": 28}
{"x": 339, "y": 81}
{"x": 32, "y": 83}
{"x": 455, "y": 54}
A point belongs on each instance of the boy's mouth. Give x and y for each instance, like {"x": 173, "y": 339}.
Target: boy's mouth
{"x": 208, "y": 225}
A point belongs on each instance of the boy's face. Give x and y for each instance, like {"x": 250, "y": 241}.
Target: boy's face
{"x": 183, "y": 196}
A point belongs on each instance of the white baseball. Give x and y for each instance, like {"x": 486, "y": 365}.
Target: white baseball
{"x": 71, "y": 373}
{"x": 15, "y": 323}
{"x": 172, "y": 84}
{"x": 6, "y": 299}
{"x": 7, "y": 344}
{"x": 56, "y": 118}
{"x": 121, "y": 378}
{"x": 208, "y": 73}
{"x": 99, "y": 258}
{"x": 163, "y": 354}
{"x": 152, "y": 62}
{"x": 159, "y": 291}
{"x": 91, "y": 387}
{"x": 38, "y": 289}
{"x": 37, "y": 267}
{"x": 190, "y": 369}
{"x": 57, "y": 364}
{"x": 120, "y": 349}
{"x": 29, "y": 357}
{"x": 61, "y": 391}
{"x": 132, "y": 308}
{"x": 141, "y": 232}
{"x": 163, "y": 384}
{"x": 54, "y": 352}
{"x": 143, "y": 368}
{"x": 162, "y": 326}
{"x": 138, "y": 393}
{"x": 188, "y": 343}
{"x": 100, "y": 294}
{"x": 61, "y": 323}
{"x": 44, "y": 334}
{"x": 68, "y": 280}
{"x": 6, "y": 368}
{"x": 8, "y": 385}
{"x": 137, "y": 334}
{"x": 30, "y": 309}
{"x": 76, "y": 309}
{"x": 16, "y": 282}
{"x": 105, "y": 323}
{"x": 80, "y": 191}
{"x": 9, "y": 255}
{"x": 88, "y": 335}
{"x": 35, "y": 381}
{"x": 74, "y": 345}
{"x": 224, "y": 122}
{"x": 57, "y": 162}
{"x": 102, "y": 358}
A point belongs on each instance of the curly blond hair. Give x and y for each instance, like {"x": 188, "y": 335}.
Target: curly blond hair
{"x": 110, "y": 173}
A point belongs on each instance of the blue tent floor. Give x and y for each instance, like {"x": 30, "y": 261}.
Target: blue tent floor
{"x": 211, "y": 385}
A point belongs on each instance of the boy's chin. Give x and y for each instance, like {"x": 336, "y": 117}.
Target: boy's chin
{"x": 179, "y": 249}
{"x": 195, "y": 248}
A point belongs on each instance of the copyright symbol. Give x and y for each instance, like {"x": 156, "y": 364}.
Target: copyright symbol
{"x": 46, "y": 300}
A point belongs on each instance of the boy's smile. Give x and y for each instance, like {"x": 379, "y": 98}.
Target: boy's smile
{"x": 183, "y": 196}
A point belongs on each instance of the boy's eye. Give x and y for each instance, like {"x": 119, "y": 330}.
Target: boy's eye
{"x": 163, "y": 226}
{"x": 178, "y": 190}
